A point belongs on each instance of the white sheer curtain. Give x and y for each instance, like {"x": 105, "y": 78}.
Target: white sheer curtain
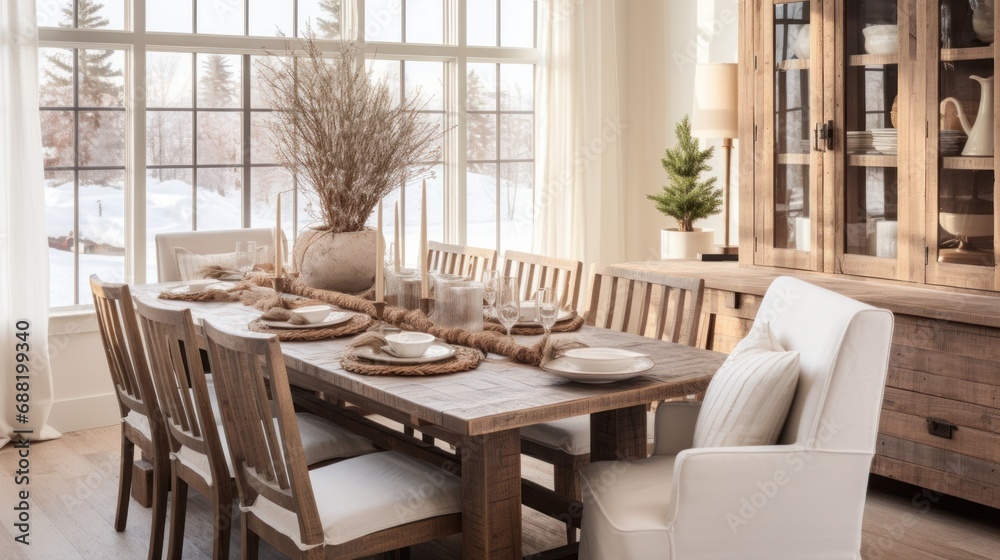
{"x": 579, "y": 193}
{"x": 24, "y": 264}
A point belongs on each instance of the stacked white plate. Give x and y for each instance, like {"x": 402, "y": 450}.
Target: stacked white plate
{"x": 599, "y": 365}
{"x": 886, "y": 140}
{"x": 952, "y": 142}
{"x": 860, "y": 141}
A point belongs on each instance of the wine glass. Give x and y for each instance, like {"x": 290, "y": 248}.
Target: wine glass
{"x": 546, "y": 308}
{"x": 508, "y": 302}
{"x": 246, "y": 256}
{"x": 491, "y": 279}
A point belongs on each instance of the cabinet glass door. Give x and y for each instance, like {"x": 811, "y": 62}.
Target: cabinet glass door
{"x": 792, "y": 86}
{"x": 873, "y": 53}
{"x": 962, "y": 225}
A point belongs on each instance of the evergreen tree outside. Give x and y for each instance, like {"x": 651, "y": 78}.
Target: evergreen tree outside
{"x": 687, "y": 198}
{"x": 329, "y": 27}
{"x": 482, "y": 133}
{"x": 217, "y": 86}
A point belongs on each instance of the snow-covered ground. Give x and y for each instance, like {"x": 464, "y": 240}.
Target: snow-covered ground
{"x": 168, "y": 209}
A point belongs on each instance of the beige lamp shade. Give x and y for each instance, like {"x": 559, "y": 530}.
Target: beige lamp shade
{"x": 716, "y": 101}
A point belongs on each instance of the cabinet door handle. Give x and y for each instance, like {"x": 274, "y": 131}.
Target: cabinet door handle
{"x": 817, "y": 132}
{"x": 940, "y": 428}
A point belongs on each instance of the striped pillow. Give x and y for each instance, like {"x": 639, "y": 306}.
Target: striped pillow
{"x": 748, "y": 399}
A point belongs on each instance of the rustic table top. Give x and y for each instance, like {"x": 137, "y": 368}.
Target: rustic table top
{"x": 499, "y": 394}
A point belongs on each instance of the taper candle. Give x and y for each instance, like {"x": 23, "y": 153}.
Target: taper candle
{"x": 379, "y": 259}
{"x": 397, "y": 244}
{"x": 425, "y": 291}
{"x": 277, "y": 239}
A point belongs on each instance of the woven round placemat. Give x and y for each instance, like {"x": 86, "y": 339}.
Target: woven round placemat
{"x": 565, "y": 326}
{"x": 357, "y": 324}
{"x": 465, "y": 359}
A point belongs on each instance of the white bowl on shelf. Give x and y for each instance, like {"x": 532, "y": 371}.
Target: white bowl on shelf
{"x": 881, "y": 39}
{"x": 602, "y": 360}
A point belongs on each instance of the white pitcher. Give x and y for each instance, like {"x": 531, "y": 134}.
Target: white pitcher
{"x": 980, "y": 142}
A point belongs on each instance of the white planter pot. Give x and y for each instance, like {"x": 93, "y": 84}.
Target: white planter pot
{"x": 686, "y": 244}
{"x": 342, "y": 262}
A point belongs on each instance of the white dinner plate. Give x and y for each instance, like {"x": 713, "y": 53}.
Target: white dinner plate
{"x": 563, "y": 368}
{"x": 563, "y": 316}
{"x": 196, "y": 286}
{"x": 334, "y": 318}
{"x": 435, "y": 353}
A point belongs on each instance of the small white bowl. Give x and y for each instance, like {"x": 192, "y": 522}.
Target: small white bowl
{"x": 409, "y": 344}
{"x": 314, "y": 313}
{"x": 602, "y": 360}
{"x": 200, "y": 286}
{"x": 528, "y": 310}
{"x": 881, "y": 39}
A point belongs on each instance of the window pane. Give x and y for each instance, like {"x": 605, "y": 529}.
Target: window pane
{"x": 101, "y": 14}
{"x": 481, "y": 16}
{"x": 101, "y": 236}
{"x": 482, "y": 136}
{"x": 271, "y": 17}
{"x": 169, "y": 15}
{"x": 384, "y": 20}
{"x": 168, "y": 138}
{"x": 517, "y": 23}
{"x": 102, "y": 138}
{"x": 516, "y": 206}
{"x": 258, "y": 67}
{"x": 437, "y": 120}
{"x": 59, "y": 229}
{"x": 482, "y": 86}
{"x": 220, "y": 198}
{"x": 389, "y": 71}
{"x": 168, "y": 79}
{"x": 482, "y": 205}
{"x": 102, "y": 78}
{"x": 517, "y": 136}
{"x": 517, "y": 87}
{"x": 219, "y": 80}
{"x": 55, "y": 77}
{"x": 57, "y": 138}
{"x": 425, "y": 21}
{"x": 265, "y": 184}
{"x": 55, "y": 13}
{"x": 435, "y": 213}
{"x": 169, "y": 208}
{"x": 220, "y": 17}
{"x": 220, "y": 138}
{"x": 321, "y": 17}
{"x": 426, "y": 79}
{"x": 261, "y": 140}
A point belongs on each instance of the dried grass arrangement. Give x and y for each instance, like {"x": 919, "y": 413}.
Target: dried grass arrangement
{"x": 343, "y": 133}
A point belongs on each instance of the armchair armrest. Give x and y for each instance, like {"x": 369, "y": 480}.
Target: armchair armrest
{"x": 781, "y": 501}
{"x": 674, "y": 428}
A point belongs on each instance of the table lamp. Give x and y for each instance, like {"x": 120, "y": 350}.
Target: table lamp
{"x": 716, "y": 115}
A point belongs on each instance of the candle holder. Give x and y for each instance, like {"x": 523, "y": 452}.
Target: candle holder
{"x": 426, "y": 305}
{"x": 278, "y": 283}
{"x": 379, "y": 310}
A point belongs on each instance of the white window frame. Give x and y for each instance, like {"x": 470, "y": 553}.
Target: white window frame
{"x": 136, "y": 41}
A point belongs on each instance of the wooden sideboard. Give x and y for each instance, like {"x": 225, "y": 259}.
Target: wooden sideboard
{"x": 944, "y": 370}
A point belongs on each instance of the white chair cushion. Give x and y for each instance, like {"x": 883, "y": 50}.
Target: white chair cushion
{"x": 749, "y": 397}
{"x": 367, "y": 494}
{"x": 572, "y": 435}
{"x": 322, "y": 440}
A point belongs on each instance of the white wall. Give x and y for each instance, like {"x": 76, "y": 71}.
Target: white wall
{"x": 83, "y": 392}
{"x": 664, "y": 40}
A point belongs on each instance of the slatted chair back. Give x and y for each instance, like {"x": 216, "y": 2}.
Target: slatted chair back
{"x": 123, "y": 347}
{"x": 646, "y": 303}
{"x": 463, "y": 261}
{"x": 174, "y": 360}
{"x": 535, "y": 271}
{"x": 268, "y": 458}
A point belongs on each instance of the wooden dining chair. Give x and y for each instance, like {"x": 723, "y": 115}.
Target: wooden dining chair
{"x": 461, "y": 260}
{"x": 535, "y": 271}
{"x": 142, "y": 426}
{"x": 358, "y": 507}
{"x": 199, "y": 457}
{"x": 633, "y": 301}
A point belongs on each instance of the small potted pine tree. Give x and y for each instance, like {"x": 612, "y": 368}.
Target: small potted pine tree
{"x": 687, "y": 198}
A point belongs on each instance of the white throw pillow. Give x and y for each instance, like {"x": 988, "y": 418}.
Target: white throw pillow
{"x": 748, "y": 400}
{"x": 189, "y": 263}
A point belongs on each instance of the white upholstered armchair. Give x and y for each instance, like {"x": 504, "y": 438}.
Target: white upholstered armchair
{"x": 802, "y": 498}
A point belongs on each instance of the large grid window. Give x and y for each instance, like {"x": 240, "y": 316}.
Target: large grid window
{"x": 153, "y": 121}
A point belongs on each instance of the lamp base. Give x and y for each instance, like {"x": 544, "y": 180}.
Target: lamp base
{"x": 966, "y": 254}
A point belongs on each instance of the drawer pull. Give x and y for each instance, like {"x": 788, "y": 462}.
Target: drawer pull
{"x": 940, "y": 428}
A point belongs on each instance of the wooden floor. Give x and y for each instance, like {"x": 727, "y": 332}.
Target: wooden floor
{"x": 74, "y": 482}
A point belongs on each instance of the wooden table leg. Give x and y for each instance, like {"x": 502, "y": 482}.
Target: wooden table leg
{"x": 618, "y": 434}
{"x": 491, "y": 496}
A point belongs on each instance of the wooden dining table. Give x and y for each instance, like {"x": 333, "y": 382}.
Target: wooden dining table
{"x": 481, "y": 411}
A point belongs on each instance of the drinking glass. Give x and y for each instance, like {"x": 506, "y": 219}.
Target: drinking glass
{"x": 508, "y": 302}
{"x": 546, "y": 308}
{"x": 491, "y": 278}
{"x": 246, "y": 256}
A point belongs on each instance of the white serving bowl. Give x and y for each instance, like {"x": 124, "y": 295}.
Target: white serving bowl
{"x": 314, "y": 313}
{"x": 881, "y": 39}
{"x": 602, "y": 360}
{"x": 409, "y": 344}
